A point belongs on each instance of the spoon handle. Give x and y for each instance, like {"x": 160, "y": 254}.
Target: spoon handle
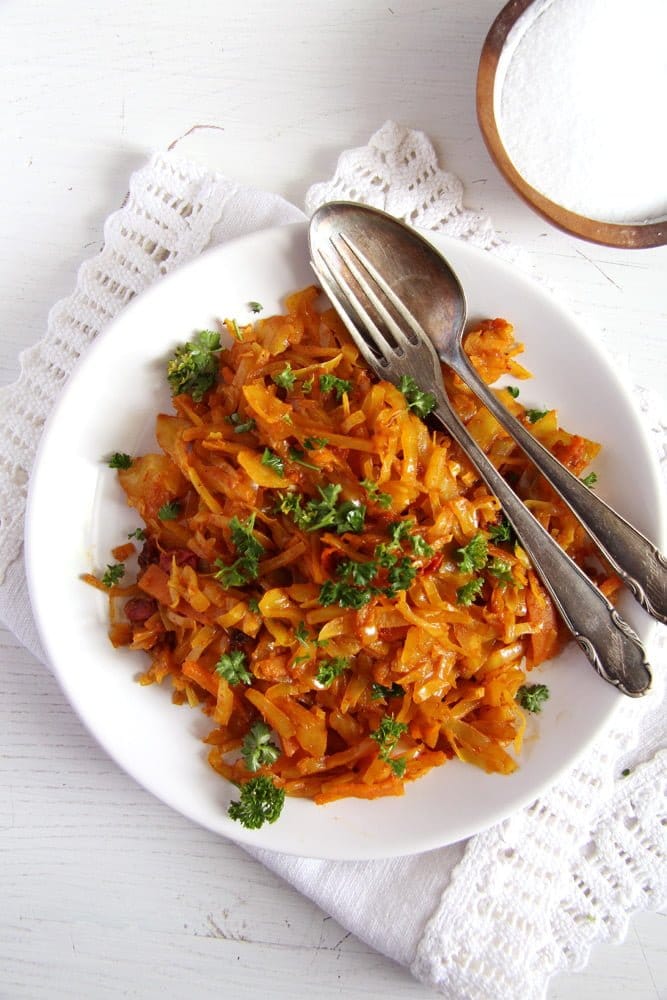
{"x": 636, "y": 560}
{"x": 610, "y": 643}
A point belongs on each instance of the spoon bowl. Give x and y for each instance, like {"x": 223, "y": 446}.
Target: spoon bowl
{"x": 420, "y": 276}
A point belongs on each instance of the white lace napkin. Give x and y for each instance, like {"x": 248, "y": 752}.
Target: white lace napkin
{"x": 487, "y": 919}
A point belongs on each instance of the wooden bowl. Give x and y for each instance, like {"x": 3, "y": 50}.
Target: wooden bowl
{"x": 629, "y": 236}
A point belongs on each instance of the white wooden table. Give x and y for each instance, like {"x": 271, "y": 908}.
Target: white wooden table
{"x": 106, "y": 892}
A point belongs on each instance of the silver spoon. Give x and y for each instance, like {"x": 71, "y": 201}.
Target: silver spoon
{"x": 427, "y": 298}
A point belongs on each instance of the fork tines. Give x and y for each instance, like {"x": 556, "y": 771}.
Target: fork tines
{"x": 378, "y": 322}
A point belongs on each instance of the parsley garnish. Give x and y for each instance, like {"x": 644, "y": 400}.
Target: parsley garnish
{"x": 169, "y": 511}
{"x": 290, "y": 503}
{"x": 257, "y": 749}
{"x": 385, "y": 553}
{"x": 194, "y": 366}
{"x": 255, "y": 307}
{"x": 138, "y": 533}
{"x": 535, "y": 415}
{"x": 261, "y": 802}
{"x": 350, "y": 517}
{"x": 273, "y": 461}
{"x": 398, "y": 765}
{"x": 513, "y": 390}
{"x": 232, "y": 576}
{"x": 466, "y": 594}
{"x": 300, "y": 456}
{"x": 315, "y": 443}
{"x": 501, "y": 532}
{"x": 400, "y": 577}
{"x": 387, "y": 736}
{"x": 360, "y": 581}
{"x": 356, "y": 587}
{"x": 307, "y": 385}
{"x": 324, "y": 513}
{"x": 501, "y": 569}
{"x": 303, "y": 636}
{"x": 532, "y": 696}
{"x": 380, "y": 692}
{"x": 358, "y": 573}
{"x": 119, "y": 460}
{"x": 388, "y": 733}
{"x": 329, "y": 670}
{"x": 339, "y": 385}
{"x": 473, "y": 556}
{"x": 246, "y": 567}
{"x": 399, "y": 530}
{"x": 420, "y": 546}
{"x": 590, "y": 480}
{"x": 114, "y": 574}
{"x": 302, "y": 633}
{"x": 241, "y": 426}
{"x": 344, "y": 595}
{"x": 286, "y": 378}
{"x": 422, "y": 403}
{"x": 253, "y": 605}
{"x": 233, "y": 668}
{"x": 383, "y": 500}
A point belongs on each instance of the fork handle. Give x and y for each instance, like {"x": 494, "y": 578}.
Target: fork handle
{"x": 610, "y": 644}
{"x": 636, "y": 560}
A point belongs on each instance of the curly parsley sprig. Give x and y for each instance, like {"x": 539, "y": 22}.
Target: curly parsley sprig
{"x": 532, "y": 696}
{"x": 273, "y": 461}
{"x": 383, "y": 500}
{"x": 286, "y": 378}
{"x": 194, "y": 366}
{"x": 261, "y": 802}
{"x": 246, "y": 567}
{"x": 119, "y": 460}
{"x": 169, "y": 511}
{"x": 473, "y": 556}
{"x": 387, "y": 736}
{"x": 502, "y": 531}
{"x": 358, "y": 582}
{"x": 379, "y": 692}
{"x": 241, "y": 425}
{"x": 331, "y": 382}
{"x": 113, "y": 574}
{"x": 257, "y": 749}
{"x": 329, "y": 670}
{"x": 420, "y": 402}
{"x": 233, "y": 668}
{"x": 466, "y": 594}
{"x": 316, "y": 515}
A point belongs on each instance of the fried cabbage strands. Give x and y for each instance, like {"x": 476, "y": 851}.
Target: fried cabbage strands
{"x": 444, "y": 672}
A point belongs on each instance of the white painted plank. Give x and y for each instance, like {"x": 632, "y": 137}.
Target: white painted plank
{"x": 105, "y": 892}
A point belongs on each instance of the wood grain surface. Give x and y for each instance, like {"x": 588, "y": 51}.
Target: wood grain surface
{"x": 105, "y": 891}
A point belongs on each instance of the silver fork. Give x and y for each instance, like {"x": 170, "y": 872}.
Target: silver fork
{"x": 359, "y": 294}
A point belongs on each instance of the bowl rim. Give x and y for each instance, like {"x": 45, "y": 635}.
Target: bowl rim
{"x": 630, "y": 236}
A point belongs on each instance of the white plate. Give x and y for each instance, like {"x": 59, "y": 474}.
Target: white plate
{"x": 77, "y": 513}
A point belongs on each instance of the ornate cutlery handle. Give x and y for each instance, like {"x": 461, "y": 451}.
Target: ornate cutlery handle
{"x": 636, "y": 560}
{"x": 610, "y": 643}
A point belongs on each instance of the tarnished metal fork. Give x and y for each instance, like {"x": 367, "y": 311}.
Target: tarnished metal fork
{"x": 361, "y": 298}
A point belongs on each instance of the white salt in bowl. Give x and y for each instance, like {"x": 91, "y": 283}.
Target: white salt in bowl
{"x": 566, "y": 98}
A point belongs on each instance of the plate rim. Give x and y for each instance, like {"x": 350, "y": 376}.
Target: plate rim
{"x": 239, "y": 834}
